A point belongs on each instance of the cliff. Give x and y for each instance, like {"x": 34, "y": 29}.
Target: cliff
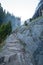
{"x": 25, "y": 45}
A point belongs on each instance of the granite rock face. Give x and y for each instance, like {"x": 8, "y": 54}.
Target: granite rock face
{"x": 24, "y": 46}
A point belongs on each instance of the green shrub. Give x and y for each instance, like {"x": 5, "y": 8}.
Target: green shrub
{"x": 5, "y": 30}
{"x": 25, "y": 23}
{"x": 8, "y": 28}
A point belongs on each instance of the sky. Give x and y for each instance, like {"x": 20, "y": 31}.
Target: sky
{"x": 20, "y": 8}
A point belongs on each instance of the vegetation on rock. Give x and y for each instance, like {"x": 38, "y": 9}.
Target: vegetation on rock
{"x": 5, "y": 29}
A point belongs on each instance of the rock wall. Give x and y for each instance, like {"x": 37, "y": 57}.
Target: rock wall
{"x": 24, "y": 46}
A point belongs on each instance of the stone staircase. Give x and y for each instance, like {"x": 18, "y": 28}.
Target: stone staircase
{"x": 12, "y": 45}
{"x": 13, "y": 52}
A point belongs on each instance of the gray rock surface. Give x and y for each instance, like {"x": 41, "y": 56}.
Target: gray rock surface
{"x": 24, "y": 46}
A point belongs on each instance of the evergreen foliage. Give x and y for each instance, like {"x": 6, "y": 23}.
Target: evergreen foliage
{"x": 2, "y": 14}
{"x": 5, "y": 30}
{"x": 25, "y": 23}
